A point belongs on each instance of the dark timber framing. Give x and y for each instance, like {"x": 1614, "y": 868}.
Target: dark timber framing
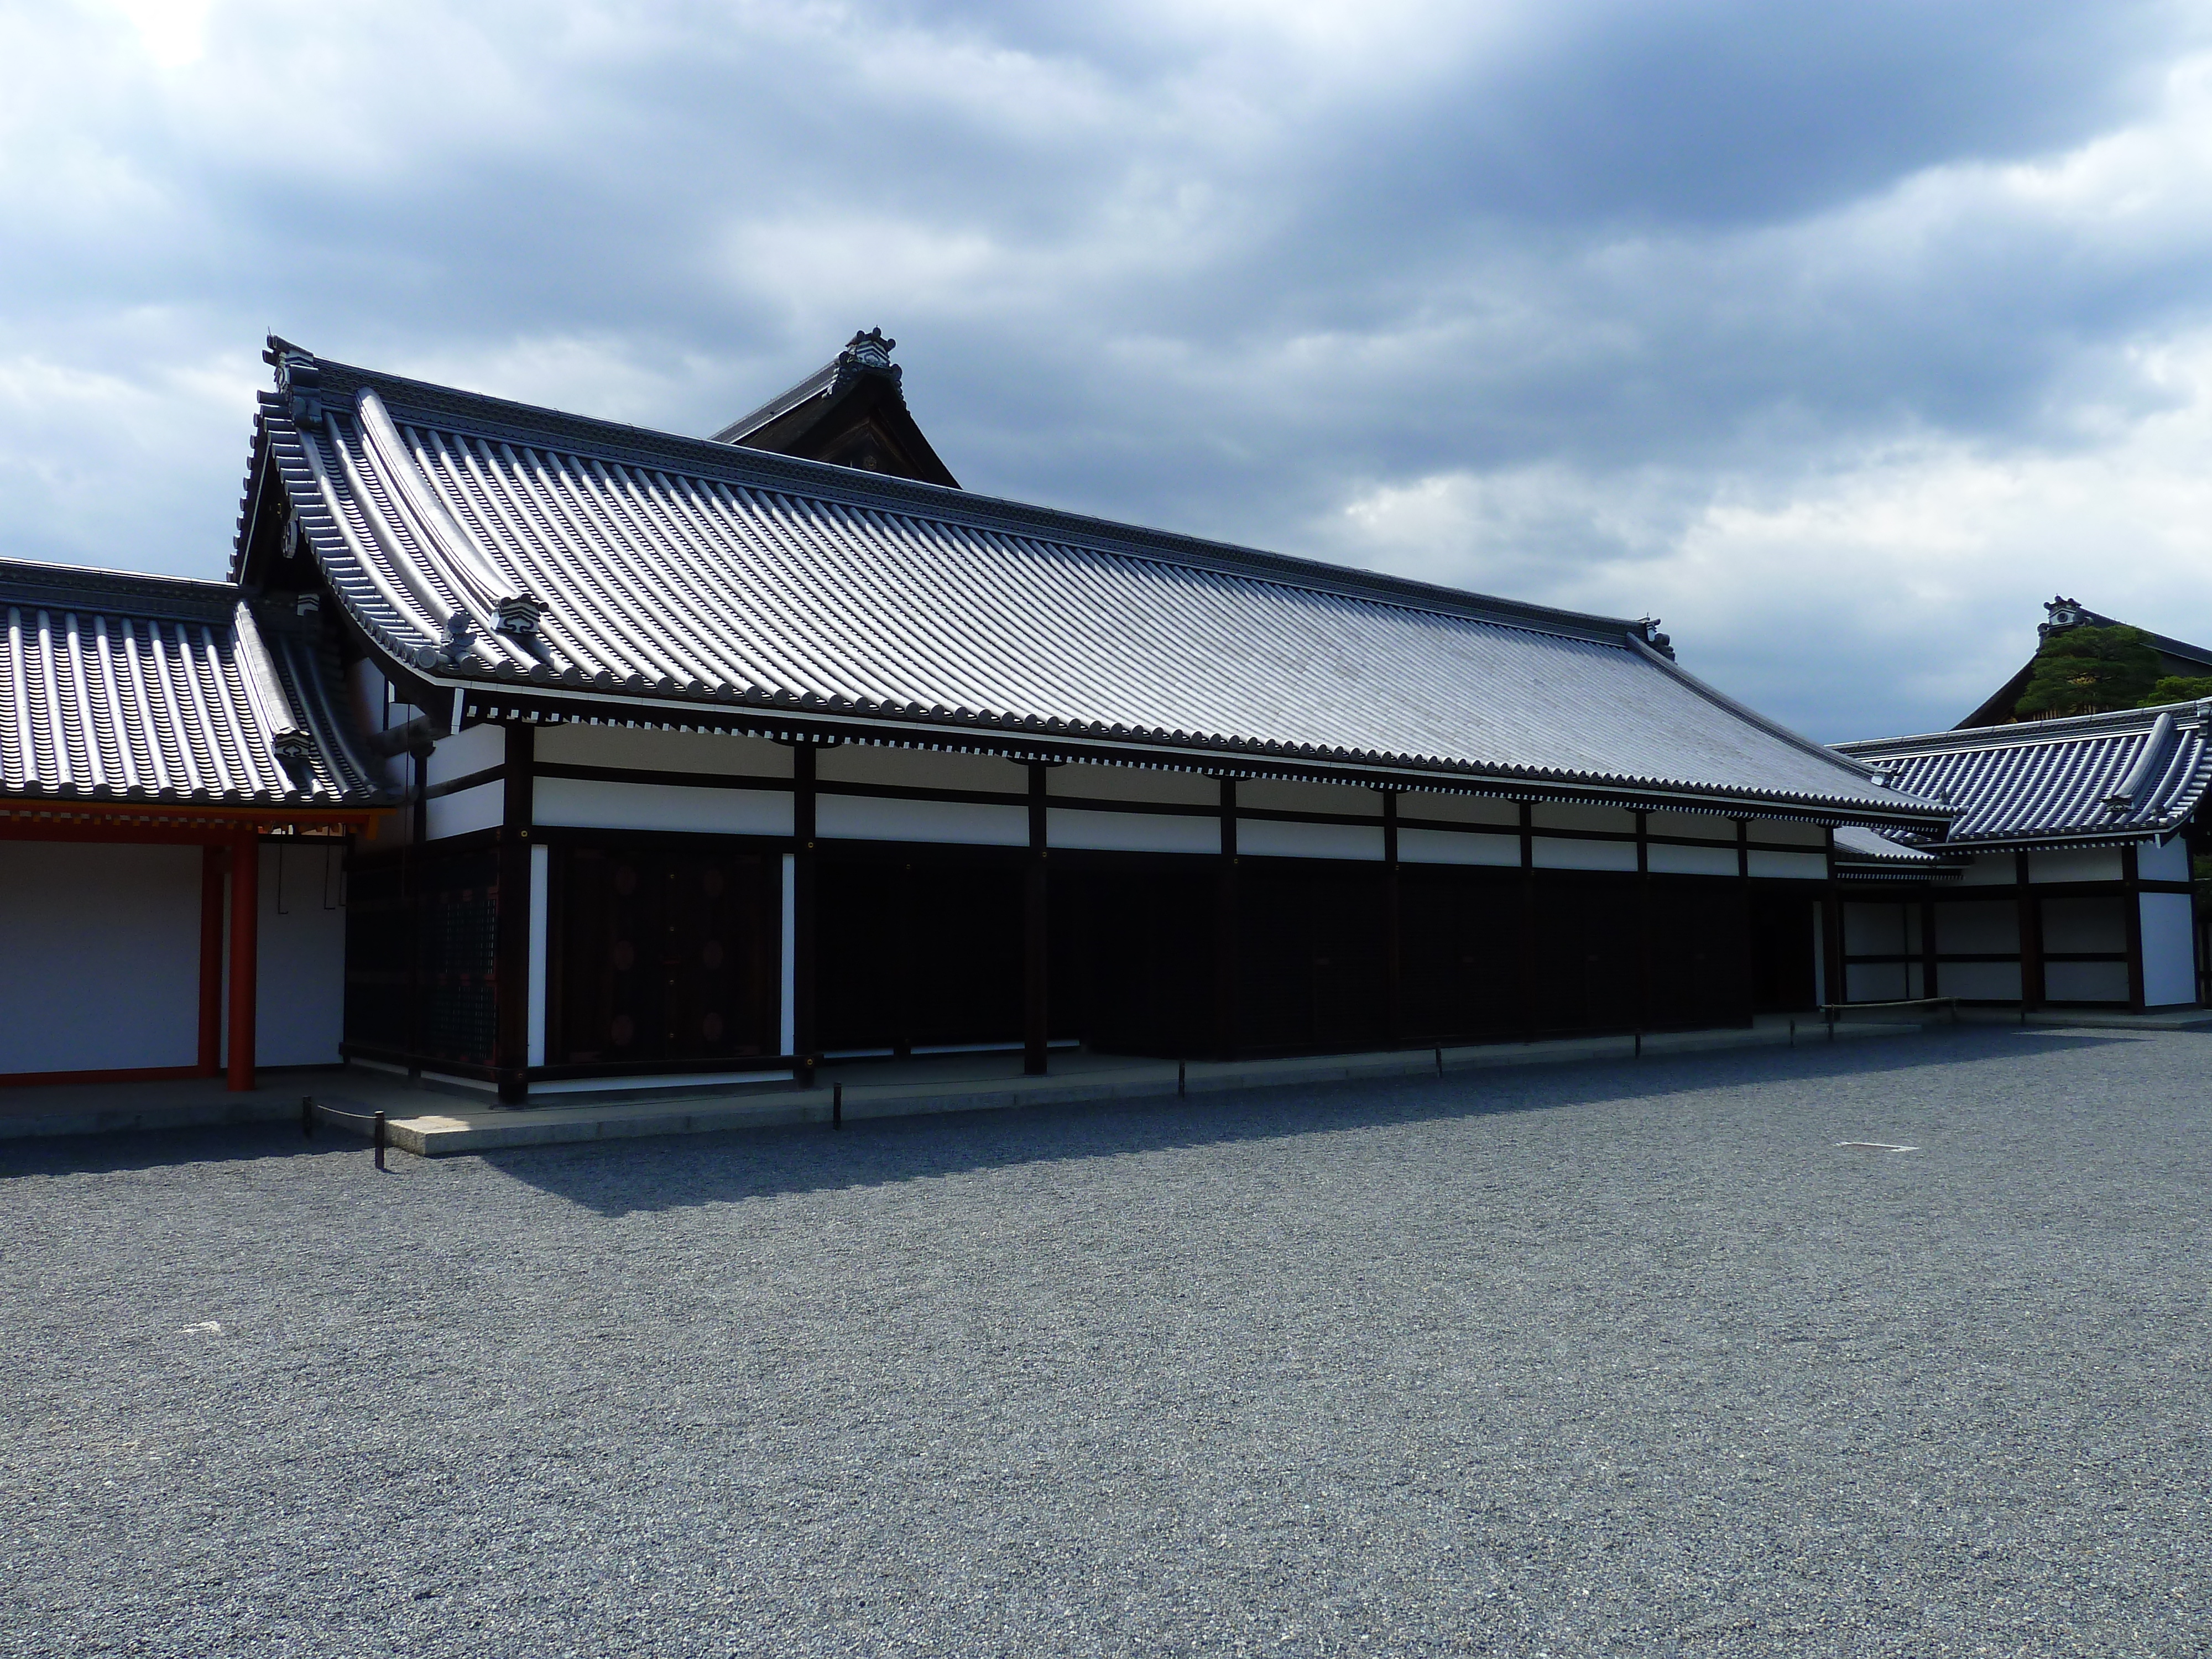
{"x": 1536, "y": 838}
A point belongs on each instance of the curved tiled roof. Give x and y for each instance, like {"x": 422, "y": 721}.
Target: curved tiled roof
{"x": 597, "y": 558}
{"x": 2108, "y": 777}
{"x": 140, "y": 688}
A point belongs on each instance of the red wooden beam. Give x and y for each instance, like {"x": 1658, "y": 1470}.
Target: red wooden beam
{"x": 211, "y": 1060}
{"x": 244, "y": 927}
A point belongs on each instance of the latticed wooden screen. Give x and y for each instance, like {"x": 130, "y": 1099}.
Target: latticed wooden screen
{"x": 420, "y": 979}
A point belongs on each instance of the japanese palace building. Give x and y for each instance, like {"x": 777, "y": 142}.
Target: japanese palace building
{"x": 533, "y": 753}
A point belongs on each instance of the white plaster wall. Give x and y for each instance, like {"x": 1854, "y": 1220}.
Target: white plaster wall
{"x": 1989, "y": 870}
{"x": 1785, "y": 832}
{"x": 1418, "y": 807}
{"x": 2085, "y": 924}
{"x": 2073, "y": 864}
{"x": 870, "y": 818}
{"x": 1877, "y": 930}
{"x": 480, "y": 808}
{"x": 298, "y": 1005}
{"x": 590, "y": 804}
{"x": 1987, "y": 981}
{"x": 1693, "y": 826}
{"x": 1456, "y": 846}
{"x": 1133, "y": 783}
{"x": 477, "y": 750}
{"x": 1553, "y": 854}
{"x": 2169, "y": 958}
{"x": 567, "y": 745}
{"x": 1618, "y": 820}
{"x": 2086, "y": 981}
{"x": 366, "y": 688}
{"x": 1279, "y": 795}
{"x": 1265, "y": 838}
{"x": 1989, "y": 928}
{"x": 1878, "y": 981}
{"x": 1791, "y": 866}
{"x": 99, "y": 957}
{"x": 2169, "y": 862}
{"x": 1692, "y": 860}
{"x": 1131, "y": 832}
{"x": 920, "y": 768}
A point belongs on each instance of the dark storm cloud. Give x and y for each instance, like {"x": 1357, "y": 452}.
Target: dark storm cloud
{"x": 1577, "y": 272}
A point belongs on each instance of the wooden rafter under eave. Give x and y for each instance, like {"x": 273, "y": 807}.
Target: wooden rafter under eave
{"x": 48, "y": 820}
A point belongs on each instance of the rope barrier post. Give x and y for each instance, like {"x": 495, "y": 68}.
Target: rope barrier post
{"x": 1639, "y": 1045}
{"x": 1793, "y": 1034}
{"x": 379, "y": 1132}
{"x": 837, "y": 1105}
{"x": 1831, "y": 1023}
{"x": 1182, "y": 1081}
{"x": 1440, "y": 1059}
{"x": 307, "y": 1117}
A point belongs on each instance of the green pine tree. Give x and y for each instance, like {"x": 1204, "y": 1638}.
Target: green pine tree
{"x": 2177, "y": 688}
{"x": 2086, "y": 670}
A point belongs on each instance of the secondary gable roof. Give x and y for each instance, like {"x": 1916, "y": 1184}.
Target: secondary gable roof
{"x": 2120, "y": 776}
{"x": 151, "y": 689}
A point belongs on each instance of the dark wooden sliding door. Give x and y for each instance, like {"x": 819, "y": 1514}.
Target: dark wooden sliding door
{"x": 663, "y": 953}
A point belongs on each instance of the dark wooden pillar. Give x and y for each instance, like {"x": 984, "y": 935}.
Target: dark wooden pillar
{"x": 1642, "y": 923}
{"x": 1394, "y": 934}
{"x": 511, "y": 939}
{"x": 802, "y": 912}
{"x": 210, "y": 1056}
{"x": 2030, "y": 912}
{"x": 245, "y": 952}
{"x": 2131, "y": 877}
{"x": 1226, "y": 965}
{"x": 1832, "y": 931}
{"x": 1037, "y": 956}
{"x": 1528, "y": 923}
{"x": 1750, "y": 923}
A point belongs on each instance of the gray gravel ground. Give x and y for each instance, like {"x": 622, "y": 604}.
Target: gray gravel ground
{"x": 1611, "y": 1359}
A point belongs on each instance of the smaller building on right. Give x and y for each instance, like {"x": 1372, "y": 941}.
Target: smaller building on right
{"x": 2063, "y": 882}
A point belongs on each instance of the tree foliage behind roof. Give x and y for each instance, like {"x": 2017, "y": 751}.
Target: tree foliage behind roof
{"x": 2177, "y": 688}
{"x": 2086, "y": 670}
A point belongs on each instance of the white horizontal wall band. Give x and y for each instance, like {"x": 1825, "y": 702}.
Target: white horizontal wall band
{"x": 586, "y": 804}
{"x": 1131, "y": 832}
{"x": 1270, "y": 838}
{"x": 1457, "y": 846}
{"x": 1792, "y": 867}
{"x": 1553, "y": 854}
{"x": 1692, "y": 860}
{"x": 484, "y": 807}
{"x": 863, "y": 817}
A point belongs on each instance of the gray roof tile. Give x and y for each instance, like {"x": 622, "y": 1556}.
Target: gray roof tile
{"x": 680, "y": 569}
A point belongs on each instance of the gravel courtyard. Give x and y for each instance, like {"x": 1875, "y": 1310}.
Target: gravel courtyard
{"x": 1608, "y": 1359}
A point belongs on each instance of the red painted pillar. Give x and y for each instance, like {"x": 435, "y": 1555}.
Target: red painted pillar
{"x": 245, "y": 926}
{"x": 211, "y": 1060}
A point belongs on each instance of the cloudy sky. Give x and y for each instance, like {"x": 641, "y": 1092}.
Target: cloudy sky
{"x": 1840, "y": 336}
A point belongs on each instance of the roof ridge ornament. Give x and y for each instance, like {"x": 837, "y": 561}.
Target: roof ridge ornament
{"x": 1654, "y": 638}
{"x": 299, "y": 379}
{"x": 864, "y": 354}
{"x": 2063, "y": 614}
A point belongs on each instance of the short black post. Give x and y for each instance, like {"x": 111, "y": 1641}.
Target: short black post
{"x": 1793, "y": 1034}
{"x": 837, "y": 1105}
{"x": 1639, "y": 1045}
{"x": 307, "y": 1117}
{"x": 1181, "y": 1082}
{"x": 1440, "y": 1059}
{"x": 379, "y": 1133}
{"x": 806, "y": 1072}
{"x": 1832, "y": 1026}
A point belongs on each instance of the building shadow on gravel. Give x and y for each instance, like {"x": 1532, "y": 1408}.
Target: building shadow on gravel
{"x": 118, "y": 1151}
{"x": 623, "y": 1177}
